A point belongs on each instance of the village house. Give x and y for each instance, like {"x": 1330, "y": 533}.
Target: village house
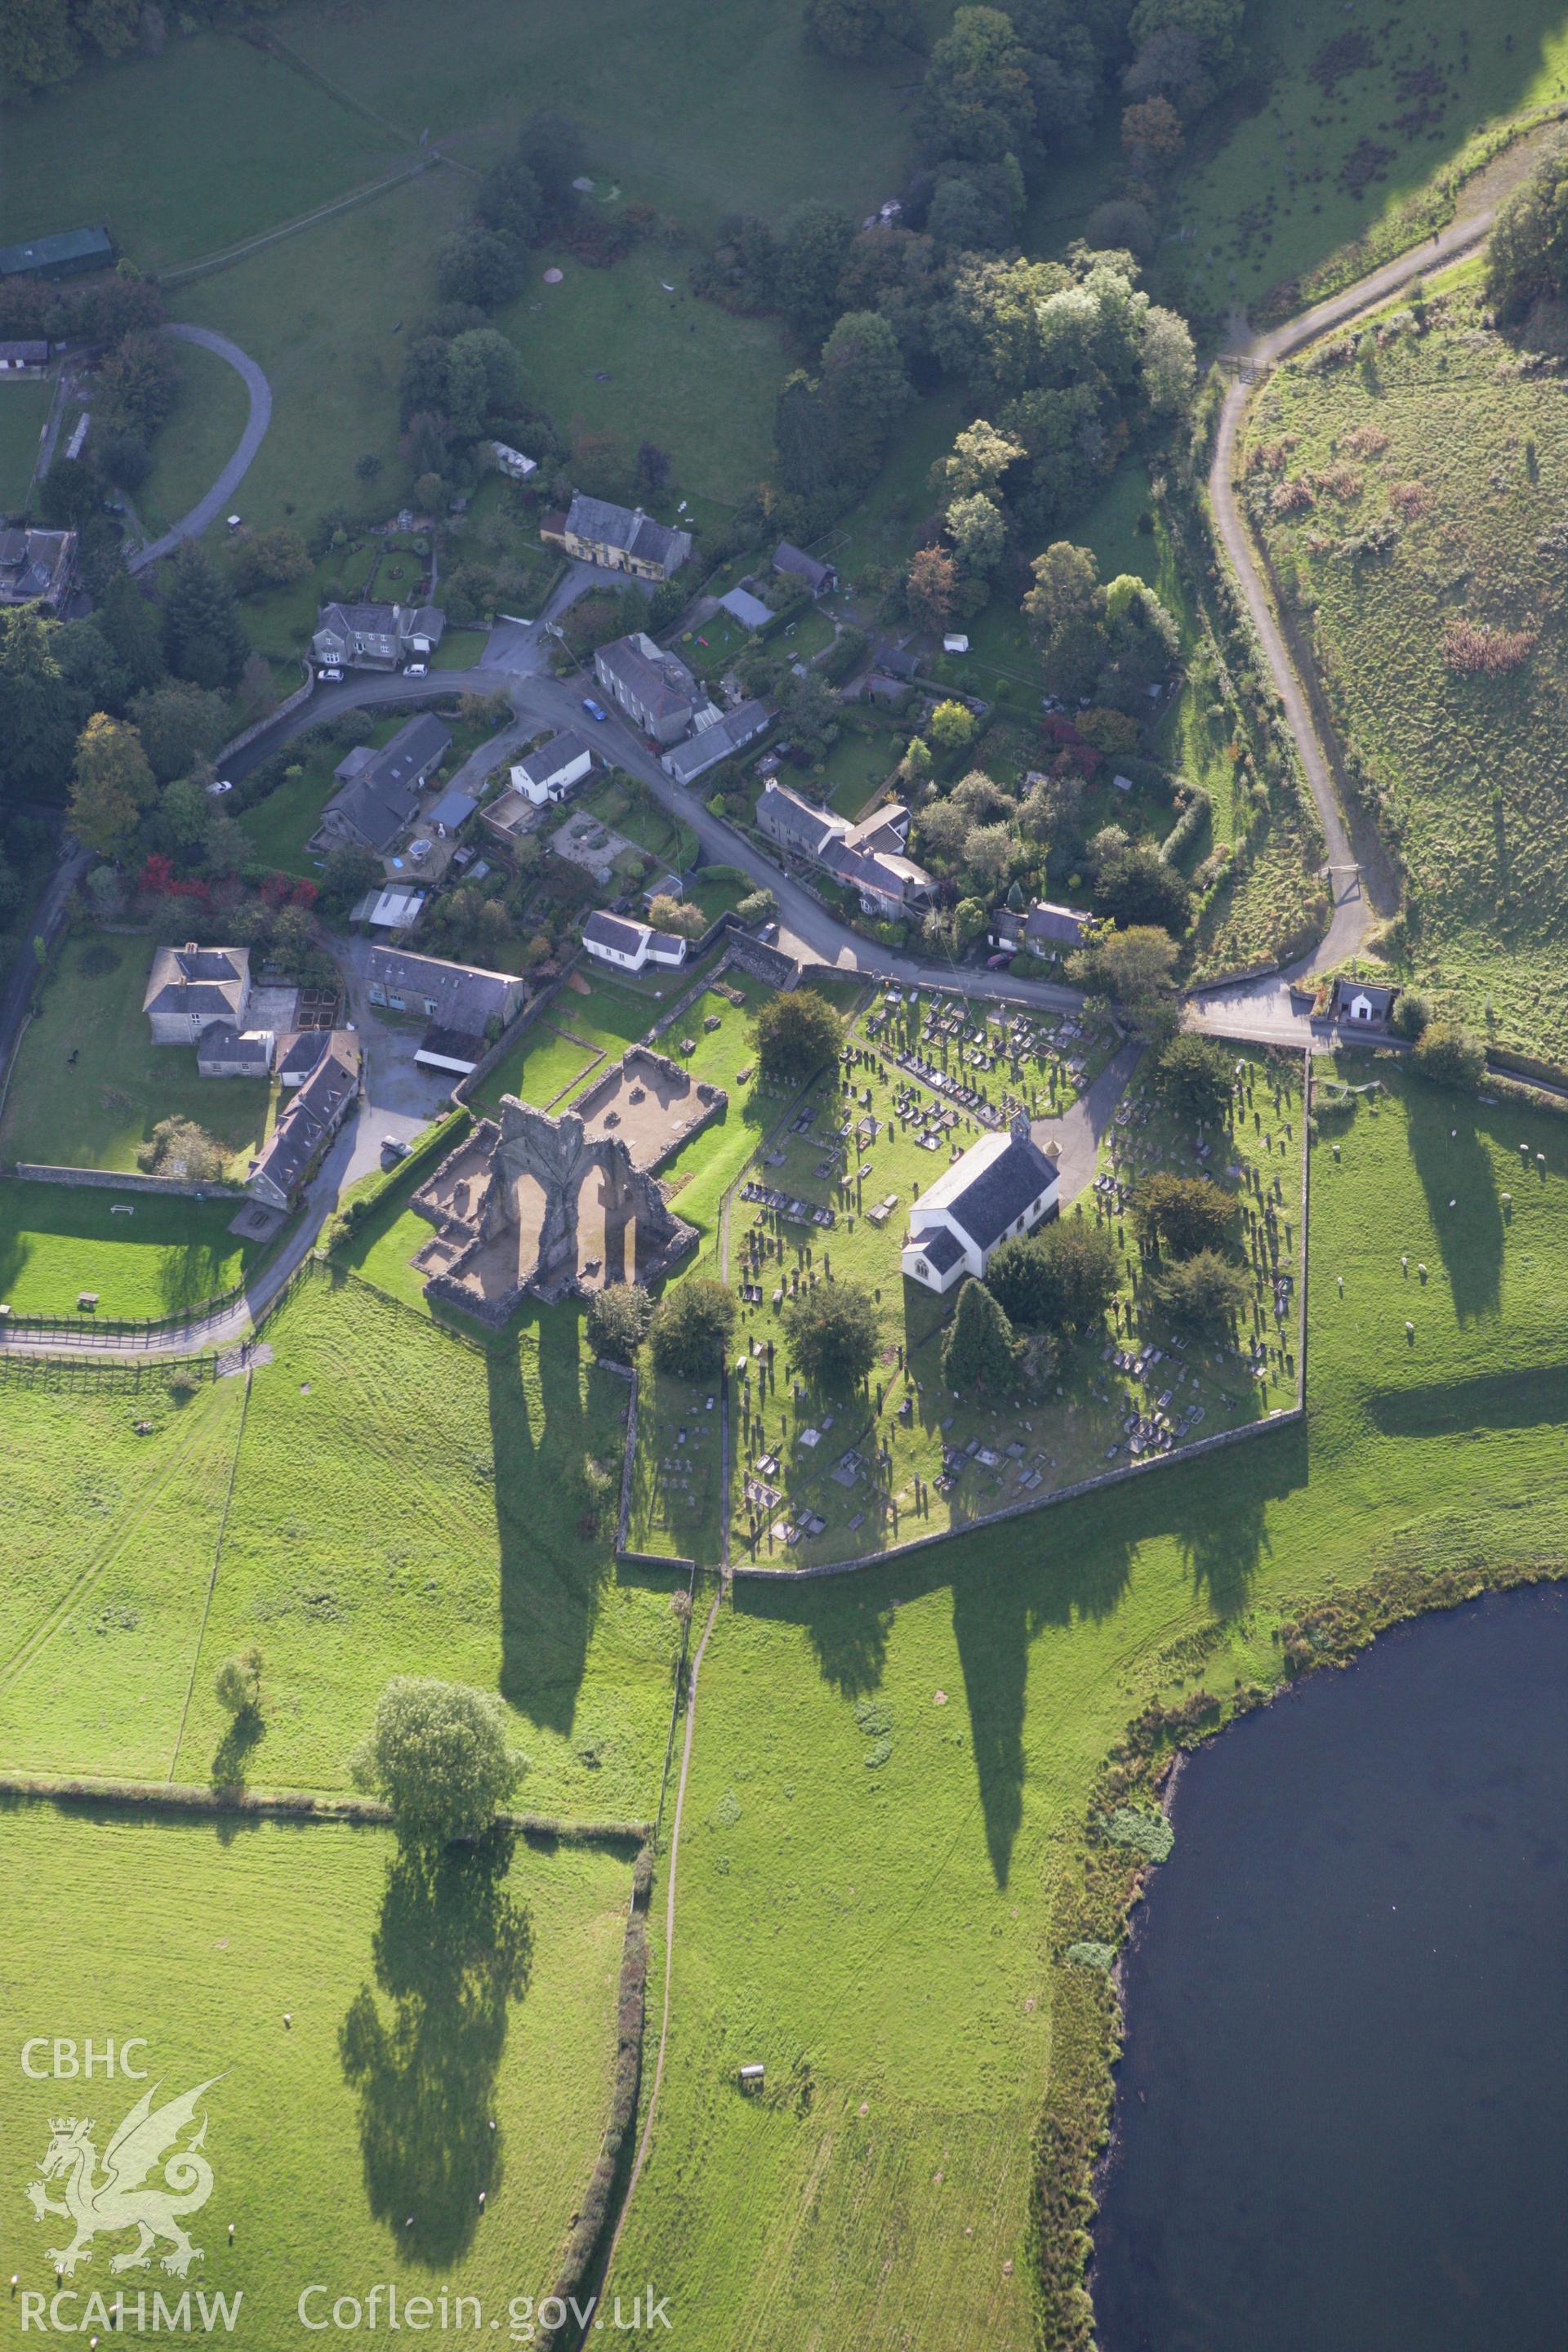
{"x": 378, "y": 795}
{"x": 465, "y": 1005}
{"x": 37, "y": 567}
{"x": 375, "y": 636}
{"x": 550, "y": 772}
{"x": 309, "y": 1119}
{"x": 727, "y": 733}
{"x": 622, "y": 539}
{"x": 1043, "y": 930}
{"x": 655, "y": 688}
{"x": 192, "y": 988}
{"x": 870, "y": 856}
{"x": 1003, "y": 1185}
{"x": 795, "y": 565}
{"x": 628, "y": 946}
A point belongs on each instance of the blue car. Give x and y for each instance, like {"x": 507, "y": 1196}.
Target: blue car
{"x": 594, "y": 709}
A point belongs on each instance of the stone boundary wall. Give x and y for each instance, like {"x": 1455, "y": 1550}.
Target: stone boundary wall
{"x": 168, "y": 1188}
{"x": 283, "y": 710}
{"x": 1224, "y": 1437}
{"x": 493, "y": 1055}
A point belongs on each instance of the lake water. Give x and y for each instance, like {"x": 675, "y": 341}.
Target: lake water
{"x": 1342, "y": 2110}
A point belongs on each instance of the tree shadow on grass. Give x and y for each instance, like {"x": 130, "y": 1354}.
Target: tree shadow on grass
{"x": 232, "y": 1753}
{"x": 1453, "y": 1163}
{"x": 551, "y": 1578}
{"x": 1051, "y": 1568}
{"x": 452, "y": 1956}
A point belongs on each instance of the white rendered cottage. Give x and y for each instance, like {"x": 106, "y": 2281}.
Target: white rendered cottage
{"x": 1005, "y": 1184}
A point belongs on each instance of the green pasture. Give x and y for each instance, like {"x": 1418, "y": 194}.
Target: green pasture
{"x": 903, "y": 1759}
{"x": 193, "y": 447}
{"x": 1460, "y": 468}
{"x": 184, "y": 154}
{"x": 23, "y": 409}
{"x": 95, "y": 1112}
{"x": 610, "y": 351}
{"x": 417, "y": 2035}
{"x": 144, "y": 1255}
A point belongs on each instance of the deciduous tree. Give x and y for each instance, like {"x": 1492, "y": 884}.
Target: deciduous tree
{"x": 438, "y": 1755}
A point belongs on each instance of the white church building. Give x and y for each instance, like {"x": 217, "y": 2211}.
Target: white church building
{"x": 1003, "y": 1185}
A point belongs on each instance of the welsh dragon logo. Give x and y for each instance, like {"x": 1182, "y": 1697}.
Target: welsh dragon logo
{"x": 122, "y": 2197}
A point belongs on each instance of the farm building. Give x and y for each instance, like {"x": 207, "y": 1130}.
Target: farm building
{"x": 1003, "y": 1185}
{"x": 71, "y": 253}
{"x": 628, "y": 946}
{"x": 225, "y": 1051}
{"x": 459, "y": 1001}
{"x": 23, "y": 359}
{"x": 309, "y": 1119}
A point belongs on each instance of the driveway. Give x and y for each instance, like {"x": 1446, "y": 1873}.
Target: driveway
{"x": 220, "y": 496}
{"x": 400, "y": 1096}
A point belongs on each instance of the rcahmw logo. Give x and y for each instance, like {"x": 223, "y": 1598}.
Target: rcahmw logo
{"x": 151, "y": 2177}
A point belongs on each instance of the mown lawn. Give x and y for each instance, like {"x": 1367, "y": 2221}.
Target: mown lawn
{"x": 192, "y": 449}
{"x": 1460, "y": 469}
{"x": 892, "y": 1770}
{"x": 412, "y": 2034}
{"x": 143, "y": 1256}
{"x": 23, "y": 407}
{"x": 95, "y": 1113}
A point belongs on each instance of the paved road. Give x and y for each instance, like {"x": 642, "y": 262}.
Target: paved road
{"x": 220, "y": 496}
{"x": 1351, "y": 915}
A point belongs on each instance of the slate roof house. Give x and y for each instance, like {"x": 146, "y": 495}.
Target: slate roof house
{"x": 729, "y": 733}
{"x": 375, "y": 636}
{"x": 616, "y": 939}
{"x": 870, "y": 856}
{"x": 623, "y": 538}
{"x": 1044, "y": 930}
{"x": 549, "y": 774}
{"x": 308, "y": 1120}
{"x": 458, "y": 1000}
{"x": 37, "y": 567}
{"x": 225, "y": 1051}
{"x": 1003, "y": 1185}
{"x": 378, "y": 791}
{"x": 795, "y": 565}
{"x": 23, "y": 359}
{"x": 1361, "y": 1005}
{"x": 191, "y": 988}
{"x": 655, "y": 689}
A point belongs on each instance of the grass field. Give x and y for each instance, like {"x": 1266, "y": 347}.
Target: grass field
{"x": 386, "y": 2040}
{"x": 1462, "y": 467}
{"x": 258, "y": 144}
{"x": 24, "y": 406}
{"x": 96, "y": 1113}
{"x": 674, "y": 371}
{"x": 891, "y": 1770}
{"x": 405, "y": 1503}
{"x": 163, "y": 1256}
{"x": 201, "y": 436}
{"x": 761, "y": 121}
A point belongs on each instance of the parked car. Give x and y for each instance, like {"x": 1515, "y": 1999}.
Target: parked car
{"x": 391, "y": 1148}
{"x": 595, "y": 709}
{"x": 418, "y": 669}
{"x": 998, "y": 962}
{"x": 330, "y": 677}
{"x": 222, "y": 786}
